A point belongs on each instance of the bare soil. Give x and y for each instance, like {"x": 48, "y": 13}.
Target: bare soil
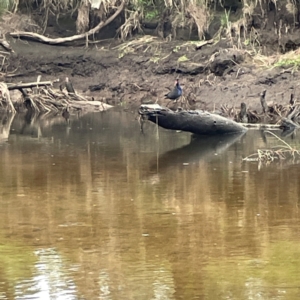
{"x": 212, "y": 76}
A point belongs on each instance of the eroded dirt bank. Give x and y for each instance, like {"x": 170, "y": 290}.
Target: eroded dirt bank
{"x": 140, "y": 71}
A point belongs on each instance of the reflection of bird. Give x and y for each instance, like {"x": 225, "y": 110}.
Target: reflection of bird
{"x": 175, "y": 93}
{"x": 68, "y": 85}
{"x": 66, "y": 113}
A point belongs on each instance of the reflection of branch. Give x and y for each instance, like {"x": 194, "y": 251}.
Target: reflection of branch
{"x": 46, "y": 40}
{"x": 5, "y": 124}
{"x": 274, "y": 153}
{"x": 4, "y": 95}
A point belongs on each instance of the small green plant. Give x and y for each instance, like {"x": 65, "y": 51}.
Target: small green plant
{"x": 289, "y": 62}
{"x": 151, "y": 15}
{"x": 182, "y": 58}
{"x": 155, "y": 59}
{"x": 246, "y": 42}
{"x": 176, "y": 49}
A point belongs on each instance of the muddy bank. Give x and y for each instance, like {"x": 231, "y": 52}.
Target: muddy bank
{"x": 142, "y": 70}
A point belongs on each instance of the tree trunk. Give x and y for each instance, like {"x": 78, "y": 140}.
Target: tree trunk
{"x": 82, "y": 22}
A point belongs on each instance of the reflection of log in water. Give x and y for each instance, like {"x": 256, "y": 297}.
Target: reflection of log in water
{"x": 5, "y": 124}
{"x": 34, "y": 124}
{"x": 199, "y": 148}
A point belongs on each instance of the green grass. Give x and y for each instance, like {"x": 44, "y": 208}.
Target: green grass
{"x": 288, "y": 62}
{"x": 151, "y": 14}
{"x": 182, "y": 58}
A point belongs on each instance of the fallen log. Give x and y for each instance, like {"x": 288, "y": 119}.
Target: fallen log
{"x": 197, "y": 122}
{"x": 56, "y": 41}
{"x": 25, "y": 85}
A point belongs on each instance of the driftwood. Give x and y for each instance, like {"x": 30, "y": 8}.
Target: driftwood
{"x": 44, "y": 98}
{"x": 4, "y": 43}
{"x": 261, "y": 126}
{"x": 51, "y": 41}
{"x": 48, "y": 99}
{"x": 19, "y": 86}
{"x": 197, "y": 122}
{"x": 203, "y": 43}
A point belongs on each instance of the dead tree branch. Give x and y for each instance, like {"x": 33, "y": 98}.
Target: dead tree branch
{"x": 25, "y": 85}
{"x": 51, "y": 41}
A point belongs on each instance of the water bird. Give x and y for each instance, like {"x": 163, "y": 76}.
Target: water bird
{"x": 243, "y": 117}
{"x": 68, "y": 85}
{"x": 175, "y": 93}
{"x": 66, "y": 113}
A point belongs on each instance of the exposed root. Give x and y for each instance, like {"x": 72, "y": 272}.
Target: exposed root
{"x": 132, "y": 23}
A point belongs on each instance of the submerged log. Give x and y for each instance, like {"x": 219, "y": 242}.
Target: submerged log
{"x": 197, "y": 122}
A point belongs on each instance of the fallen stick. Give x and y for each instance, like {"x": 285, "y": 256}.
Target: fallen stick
{"x": 261, "y": 126}
{"x": 51, "y": 41}
{"x": 30, "y": 85}
{"x": 4, "y": 43}
{"x": 203, "y": 43}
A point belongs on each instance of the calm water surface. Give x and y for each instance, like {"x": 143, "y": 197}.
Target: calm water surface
{"x": 92, "y": 209}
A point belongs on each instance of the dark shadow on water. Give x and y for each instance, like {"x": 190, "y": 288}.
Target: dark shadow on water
{"x": 200, "y": 147}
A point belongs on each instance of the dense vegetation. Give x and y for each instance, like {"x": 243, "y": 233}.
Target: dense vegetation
{"x": 241, "y": 20}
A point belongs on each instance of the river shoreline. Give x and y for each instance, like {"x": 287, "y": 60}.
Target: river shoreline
{"x": 141, "y": 71}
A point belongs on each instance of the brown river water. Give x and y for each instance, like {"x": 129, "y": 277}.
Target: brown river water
{"x": 93, "y": 209}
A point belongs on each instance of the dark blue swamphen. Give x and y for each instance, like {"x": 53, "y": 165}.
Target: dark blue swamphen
{"x": 175, "y": 93}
